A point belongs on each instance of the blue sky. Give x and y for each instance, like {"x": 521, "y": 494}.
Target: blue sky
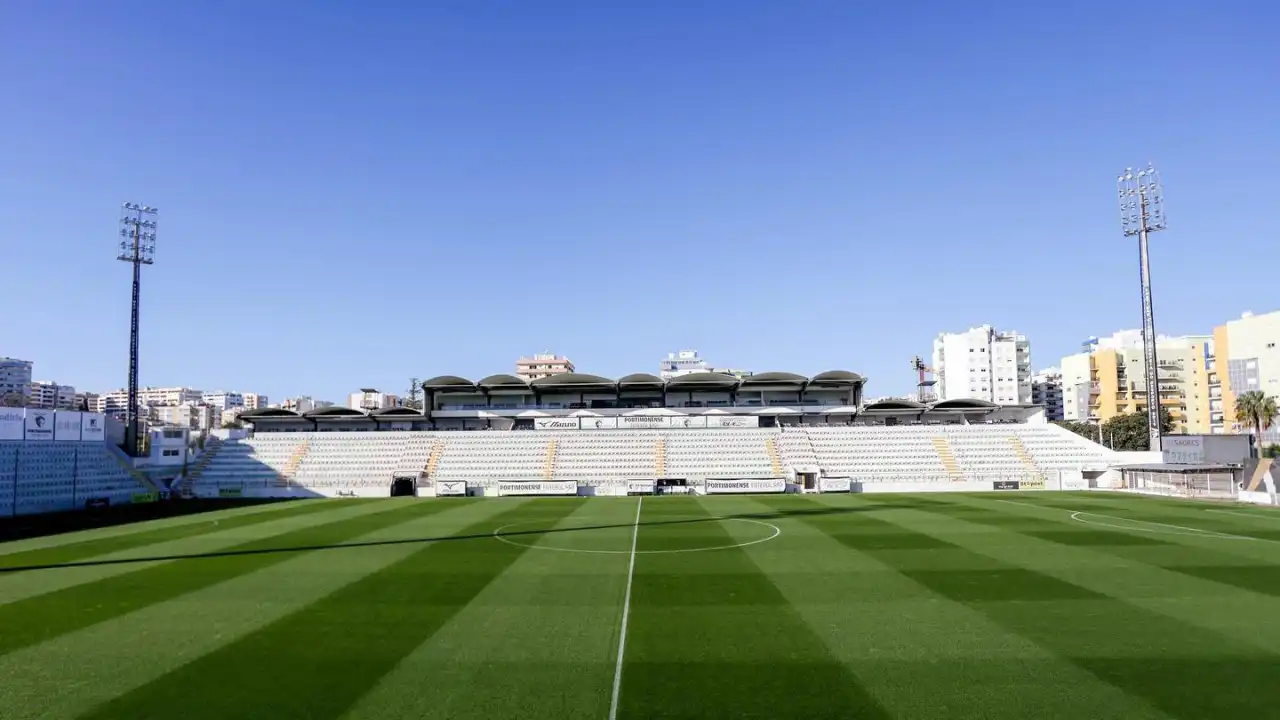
{"x": 353, "y": 193}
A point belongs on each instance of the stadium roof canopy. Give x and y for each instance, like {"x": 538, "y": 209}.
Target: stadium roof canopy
{"x": 963, "y": 405}
{"x": 449, "y": 383}
{"x": 640, "y": 381}
{"x": 504, "y": 383}
{"x": 894, "y": 406}
{"x": 836, "y": 378}
{"x": 696, "y": 381}
{"x": 268, "y": 413}
{"x": 398, "y": 412}
{"x": 774, "y": 379}
{"x": 573, "y": 381}
{"x": 693, "y": 382}
{"x": 334, "y": 411}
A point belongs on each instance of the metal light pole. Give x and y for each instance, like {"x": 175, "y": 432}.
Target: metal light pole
{"x": 137, "y": 247}
{"x": 1141, "y": 213}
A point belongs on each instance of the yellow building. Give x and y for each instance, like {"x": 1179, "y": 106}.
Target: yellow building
{"x": 1108, "y": 380}
{"x": 1247, "y": 359}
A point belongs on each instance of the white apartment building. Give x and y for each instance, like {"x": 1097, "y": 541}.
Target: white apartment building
{"x": 684, "y": 362}
{"x": 193, "y": 416}
{"x": 543, "y": 365}
{"x": 254, "y": 401}
{"x": 90, "y": 401}
{"x": 223, "y": 400}
{"x": 47, "y": 395}
{"x": 983, "y": 363}
{"x": 304, "y": 403}
{"x": 370, "y": 399}
{"x": 15, "y": 381}
{"x": 1248, "y": 359}
{"x": 117, "y": 400}
{"x": 1046, "y": 390}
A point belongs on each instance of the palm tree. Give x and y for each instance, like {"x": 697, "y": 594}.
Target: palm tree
{"x": 1257, "y": 409}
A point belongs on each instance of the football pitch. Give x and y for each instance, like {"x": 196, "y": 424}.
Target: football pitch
{"x": 1006, "y": 605}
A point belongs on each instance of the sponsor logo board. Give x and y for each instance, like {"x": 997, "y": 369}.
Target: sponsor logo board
{"x": 140, "y": 498}
{"x": 635, "y": 487}
{"x": 696, "y": 421}
{"x": 555, "y": 423}
{"x": 1031, "y": 485}
{"x": 39, "y": 425}
{"x": 230, "y": 492}
{"x": 834, "y": 485}
{"x": 562, "y": 487}
{"x": 66, "y": 425}
{"x": 1004, "y": 485}
{"x": 733, "y": 421}
{"x": 773, "y": 485}
{"x": 600, "y": 423}
{"x": 643, "y": 421}
{"x": 12, "y": 422}
{"x": 1075, "y": 484}
{"x": 451, "y": 488}
{"x": 93, "y": 427}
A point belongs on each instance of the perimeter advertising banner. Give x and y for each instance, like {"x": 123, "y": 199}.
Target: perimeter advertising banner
{"x": 733, "y": 421}
{"x": 688, "y": 422}
{"x": 634, "y": 422}
{"x": 772, "y": 485}
{"x": 562, "y": 487}
{"x": 1005, "y": 485}
{"x": 93, "y": 427}
{"x": 11, "y": 423}
{"x": 555, "y": 423}
{"x": 600, "y": 423}
{"x": 39, "y": 425}
{"x": 827, "y": 485}
{"x": 451, "y": 488}
{"x": 66, "y": 426}
{"x": 640, "y": 487}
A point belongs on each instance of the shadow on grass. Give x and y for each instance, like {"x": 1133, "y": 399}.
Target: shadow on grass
{"x": 771, "y": 515}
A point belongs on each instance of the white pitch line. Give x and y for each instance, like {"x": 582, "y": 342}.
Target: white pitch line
{"x": 1195, "y": 532}
{"x": 626, "y": 613}
{"x": 1266, "y": 515}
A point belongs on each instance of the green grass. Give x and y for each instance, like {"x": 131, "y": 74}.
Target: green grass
{"x": 1006, "y": 605}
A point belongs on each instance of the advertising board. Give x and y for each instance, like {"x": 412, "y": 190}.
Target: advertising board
{"x": 11, "y": 423}
{"x": 631, "y": 422}
{"x": 39, "y": 425}
{"x": 1075, "y": 484}
{"x": 451, "y": 488}
{"x": 561, "y": 487}
{"x": 93, "y": 427}
{"x": 1183, "y": 448}
{"x": 722, "y": 487}
{"x": 1031, "y": 485}
{"x": 555, "y": 423}
{"x": 230, "y": 492}
{"x": 66, "y": 426}
{"x": 599, "y": 423}
{"x": 1005, "y": 485}
{"x": 640, "y": 487}
{"x": 696, "y": 421}
{"x": 827, "y": 485}
{"x": 733, "y": 421}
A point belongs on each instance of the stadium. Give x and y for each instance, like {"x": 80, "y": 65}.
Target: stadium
{"x": 579, "y": 547}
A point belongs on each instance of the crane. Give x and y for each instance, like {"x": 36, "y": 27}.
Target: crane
{"x": 924, "y": 388}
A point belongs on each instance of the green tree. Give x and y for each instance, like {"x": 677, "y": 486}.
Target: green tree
{"x": 1085, "y": 430}
{"x": 13, "y": 400}
{"x": 232, "y": 425}
{"x": 410, "y": 399}
{"x": 1130, "y": 432}
{"x": 1256, "y": 409}
{"x": 1271, "y": 451}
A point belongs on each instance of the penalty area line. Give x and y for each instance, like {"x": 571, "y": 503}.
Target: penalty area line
{"x": 626, "y": 614}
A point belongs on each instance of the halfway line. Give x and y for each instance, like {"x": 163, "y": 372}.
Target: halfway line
{"x": 626, "y": 612}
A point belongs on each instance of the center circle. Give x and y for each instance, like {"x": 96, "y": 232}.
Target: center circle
{"x": 520, "y": 535}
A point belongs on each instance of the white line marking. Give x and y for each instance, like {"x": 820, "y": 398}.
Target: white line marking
{"x": 626, "y": 613}
{"x": 1026, "y": 504}
{"x": 1172, "y": 529}
{"x": 501, "y": 537}
{"x": 1264, "y": 515}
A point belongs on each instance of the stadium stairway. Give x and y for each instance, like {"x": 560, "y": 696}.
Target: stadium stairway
{"x": 211, "y": 448}
{"x": 1020, "y": 450}
{"x": 947, "y": 456}
{"x": 549, "y": 464}
{"x": 660, "y": 458}
{"x": 291, "y": 468}
{"x": 774, "y": 458}
{"x": 126, "y": 464}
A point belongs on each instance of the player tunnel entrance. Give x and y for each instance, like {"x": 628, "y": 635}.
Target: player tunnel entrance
{"x": 404, "y": 486}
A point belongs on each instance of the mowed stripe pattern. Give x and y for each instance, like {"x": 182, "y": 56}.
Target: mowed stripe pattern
{"x": 960, "y": 606}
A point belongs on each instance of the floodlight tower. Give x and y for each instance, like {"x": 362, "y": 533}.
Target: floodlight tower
{"x": 1141, "y": 213}
{"x": 137, "y": 247}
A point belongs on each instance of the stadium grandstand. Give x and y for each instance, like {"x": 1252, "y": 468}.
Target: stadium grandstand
{"x": 584, "y": 434}
{"x": 54, "y": 461}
